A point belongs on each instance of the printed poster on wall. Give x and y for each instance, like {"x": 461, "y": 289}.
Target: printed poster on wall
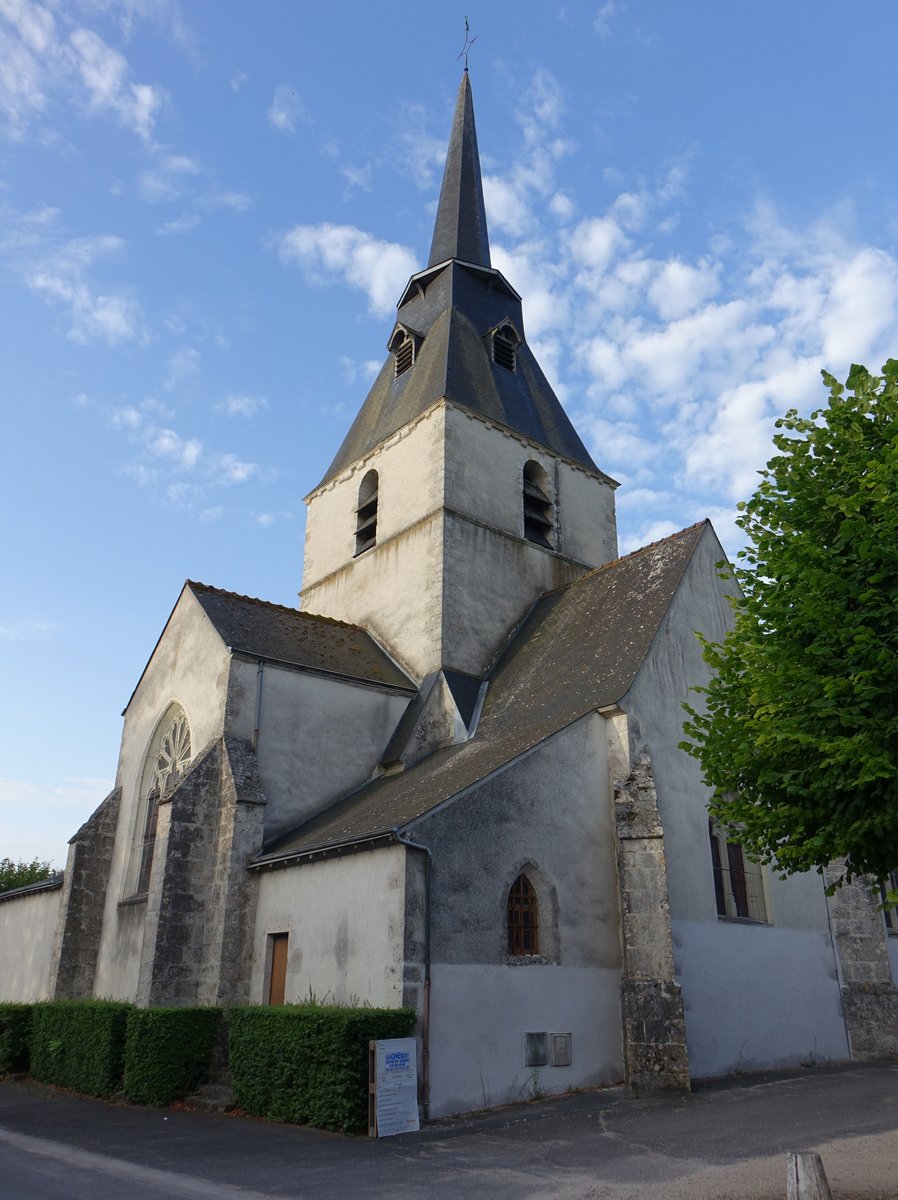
{"x": 396, "y": 1086}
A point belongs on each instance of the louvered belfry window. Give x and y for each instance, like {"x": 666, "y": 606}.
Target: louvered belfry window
{"x": 405, "y": 355}
{"x": 403, "y": 345}
{"x": 523, "y": 919}
{"x": 537, "y": 506}
{"x": 366, "y": 514}
{"x": 505, "y": 346}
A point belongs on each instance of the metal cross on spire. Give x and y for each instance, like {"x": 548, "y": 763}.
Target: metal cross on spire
{"x": 469, "y": 42}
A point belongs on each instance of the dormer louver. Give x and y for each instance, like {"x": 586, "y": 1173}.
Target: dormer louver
{"x": 403, "y": 345}
{"x": 504, "y": 345}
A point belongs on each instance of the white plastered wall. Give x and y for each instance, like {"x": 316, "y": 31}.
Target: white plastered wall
{"x": 484, "y": 475}
{"x": 345, "y": 920}
{"x": 551, "y": 813}
{"x": 450, "y": 557}
{"x": 754, "y": 995}
{"x": 27, "y": 934}
{"x": 190, "y": 666}
{"x": 319, "y": 737}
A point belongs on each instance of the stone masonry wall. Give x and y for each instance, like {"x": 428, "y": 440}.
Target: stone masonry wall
{"x": 651, "y": 1005}
{"x": 869, "y": 997}
{"x": 201, "y": 901}
{"x": 231, "y": 913}
{"x": 80, "y": 922}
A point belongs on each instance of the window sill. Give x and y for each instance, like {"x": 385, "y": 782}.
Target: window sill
{"x": 529, "y": 960}
{"x": 743, "y": 920}
{"x": 132, "y": 900}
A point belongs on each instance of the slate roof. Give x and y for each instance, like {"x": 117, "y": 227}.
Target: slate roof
{"x": 288, "y": 635}
{"x": 579, "y": 649}
{"x": 460, "y": 227}
{"x": 452, "y": 307}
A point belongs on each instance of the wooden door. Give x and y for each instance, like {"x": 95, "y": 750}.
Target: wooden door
{"x": 278, "y": 982}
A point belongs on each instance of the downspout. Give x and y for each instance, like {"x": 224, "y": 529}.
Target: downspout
{"x": 425, "y": 1016}
{"x": 259, "y": 673}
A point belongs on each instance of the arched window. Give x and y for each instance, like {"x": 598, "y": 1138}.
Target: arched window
{"x": 537, "y": 505}
{"x": 738, "y": 882}
{"x": 366, "y": 514}
{"x": 522, "y": 918}
{"x": 505, "y": 347}
{"x": 167, "y": 759}
{"x": 403, "y": 345}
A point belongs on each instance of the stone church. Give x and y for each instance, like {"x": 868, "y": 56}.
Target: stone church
{"x": 450, "y": 780}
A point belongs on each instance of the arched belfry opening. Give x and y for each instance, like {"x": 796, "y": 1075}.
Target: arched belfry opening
{"x": 537, "y": 505}
{"x": 366, "y": 513}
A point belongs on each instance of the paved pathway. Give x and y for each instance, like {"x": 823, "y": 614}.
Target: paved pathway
{"x": 727, "y": 1141}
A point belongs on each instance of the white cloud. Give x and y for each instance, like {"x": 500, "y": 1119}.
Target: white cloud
{"x": 365, "y": 370}
{"x": 562, "y": 206}
{"x": 167, "y": 178}
{"x": 104, "y": 73}
{"x": 505, "y": 207}
{"x": 679, "y": 288}
{"x": 183, "y": 224}
{"x": 228, "y": 468}
{"x": 93, "y": 316}
{"x": 602, "y": 22}
{"x": 241, "y": 405}
{"x": 43, "y": 68}
{"x": 265, "y": 519}
{"x": 860, "y": 307}
{"x": 62, "y": 280}
{"x": 184, "y": 364}
{"x": 165, "y": 443}
{"x": 380, "y": 269}
{"x": 286, "y": 109}
{"x": 595, "y": 241}
{"x": 26, "y": 629}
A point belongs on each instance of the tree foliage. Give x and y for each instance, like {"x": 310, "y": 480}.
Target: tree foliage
{"x": 798, "y": 735}
{"x": 21, "y": 874}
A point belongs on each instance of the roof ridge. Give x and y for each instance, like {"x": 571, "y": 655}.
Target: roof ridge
{"x": 622, "y": 558}
{"x": 296, "y": 612}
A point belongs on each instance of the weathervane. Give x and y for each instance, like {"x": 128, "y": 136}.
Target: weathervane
{"x": 469, "y": 42}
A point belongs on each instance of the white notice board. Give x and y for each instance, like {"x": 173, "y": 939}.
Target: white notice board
{"x": 394, "y": 1087}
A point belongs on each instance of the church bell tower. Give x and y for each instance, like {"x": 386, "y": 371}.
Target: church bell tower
{"x": 462, "y": 491}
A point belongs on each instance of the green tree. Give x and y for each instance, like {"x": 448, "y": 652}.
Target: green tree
{"x": 798, "y": 735}
{"x": 20, "y": 874}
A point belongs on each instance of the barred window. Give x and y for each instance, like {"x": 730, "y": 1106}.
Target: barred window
{"x": 522, "y": 918}
{"x": 738, "y": 882}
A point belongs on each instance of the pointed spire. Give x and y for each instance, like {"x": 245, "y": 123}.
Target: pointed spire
{"x": 460, "y": 229}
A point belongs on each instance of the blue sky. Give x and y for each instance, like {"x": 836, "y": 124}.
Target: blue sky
{"x": 208, "y": 212}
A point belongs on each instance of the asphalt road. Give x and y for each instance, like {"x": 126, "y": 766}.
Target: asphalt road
{"x": 727, "y": 1141}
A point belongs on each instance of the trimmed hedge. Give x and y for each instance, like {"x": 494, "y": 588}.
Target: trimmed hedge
{"x": 308, "y": 1063}
{"x": 15, "y": 1035}
{"x": 80, "y": 1044}
{"x": 167, "y": 1052}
